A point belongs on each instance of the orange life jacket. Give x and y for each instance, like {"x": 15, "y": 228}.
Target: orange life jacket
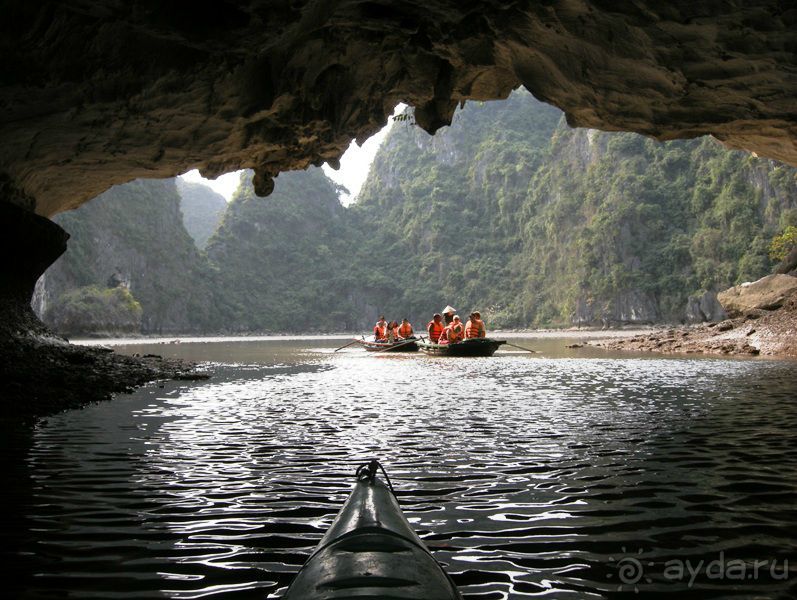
{"x": 405, "y": 331}
{"x": 474, "y": 329}
{"x": 435, "y": 330}
{"x": 380, "y": 331}
{"x": 455, "y": 333}
{"x": 443, "y": 339}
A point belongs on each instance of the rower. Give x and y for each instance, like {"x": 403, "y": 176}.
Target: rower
{"x": 435, "y": 328}
{"x": 474, "y": 328}
{"x": 448, "y": 314}
{"x": 453, "y": 333}
{"x": 380, "y": 329}
{"x": 405, "y": 330}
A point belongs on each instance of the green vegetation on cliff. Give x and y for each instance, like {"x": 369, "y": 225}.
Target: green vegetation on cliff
{"x": 93, "y": 310}
{"x": 440, "y": 215}
{"x": 783, "y": 243}
{"x": 133, "y": 234}
{"x": 512, "y": 211}
{"x": 508, "y": 210}
{"x": 281, "y": 263}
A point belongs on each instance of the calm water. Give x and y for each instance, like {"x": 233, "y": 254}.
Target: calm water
{"x": 566, "y": 474}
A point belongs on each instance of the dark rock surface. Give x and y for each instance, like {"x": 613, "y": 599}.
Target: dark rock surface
{"x": 99, "y": 93}
{"x": 28, "y": 245}
{"x": 633, "y": 307}
{"x": 704, "y": 307}
{"x": 41, "y": 375}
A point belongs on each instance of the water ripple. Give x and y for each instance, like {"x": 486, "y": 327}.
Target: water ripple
{"x": 527, "y": 477}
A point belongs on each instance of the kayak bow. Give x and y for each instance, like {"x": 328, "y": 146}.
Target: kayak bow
{"x": 371, "y": 552}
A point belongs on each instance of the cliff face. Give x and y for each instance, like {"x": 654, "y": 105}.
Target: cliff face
{"x": 508, "y": 210}
{"x": 282, "y": 263}
{"x": 586, "y": 227}
{"x": 131, "y": 237}
{"x": 202, "y": 210}
{"x": 649, "y": 224}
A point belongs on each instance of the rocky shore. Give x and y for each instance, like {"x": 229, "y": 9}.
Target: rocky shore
{"x": 44, "y": 374}
{"x": 757, "y": 332}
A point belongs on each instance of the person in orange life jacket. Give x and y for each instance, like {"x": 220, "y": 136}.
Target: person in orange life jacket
{"x": 392, "y": 332}
{"x": 405, "y": 330}
{"x": 457, "y": 333}
{"x": 453, "y": 333}
{"x": 474, "y": 328}
{"x": 435, "y": 328}
{"x": 380, "y": 329}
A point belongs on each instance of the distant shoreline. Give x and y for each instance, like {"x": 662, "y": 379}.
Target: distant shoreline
{"x": 569, "y": 333}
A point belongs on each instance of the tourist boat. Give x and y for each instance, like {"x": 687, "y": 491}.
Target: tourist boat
{"x": 371, "y": 551}
{"x": 471, "y": 347}
{"x": 405, "y": 345}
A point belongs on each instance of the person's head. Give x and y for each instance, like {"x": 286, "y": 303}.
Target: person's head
{"x": 476, "y": 314}
{"x": 381, "y": 317}
{"x": 436, "y": 318}
{"x": 405, "y": 321}
{"x": 457, "y": 319}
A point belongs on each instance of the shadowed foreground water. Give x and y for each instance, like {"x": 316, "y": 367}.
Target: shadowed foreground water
{"x": 556, "y": 476}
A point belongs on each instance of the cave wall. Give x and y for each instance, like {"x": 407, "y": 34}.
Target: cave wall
{"x": 29, "y": 243}
{"x": 102, "y": 92}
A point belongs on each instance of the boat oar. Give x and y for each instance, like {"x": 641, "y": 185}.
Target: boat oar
{"x": 346, "y": 346}
{"x": 395, "y": 346}
{"x": 522, "y": 348}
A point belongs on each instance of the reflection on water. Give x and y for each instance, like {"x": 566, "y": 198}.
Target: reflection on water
{"x": 528, "y": 476}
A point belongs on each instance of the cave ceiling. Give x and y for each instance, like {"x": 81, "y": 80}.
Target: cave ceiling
{"x": 98, "y": 93}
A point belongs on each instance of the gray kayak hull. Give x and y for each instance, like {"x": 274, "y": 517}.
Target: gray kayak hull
{"x": 371, "y": 552}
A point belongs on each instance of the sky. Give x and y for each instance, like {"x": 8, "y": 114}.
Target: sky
{"x": 354, "y": 166}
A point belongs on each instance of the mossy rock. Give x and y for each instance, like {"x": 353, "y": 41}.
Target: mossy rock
{"x": 94, "y": 311}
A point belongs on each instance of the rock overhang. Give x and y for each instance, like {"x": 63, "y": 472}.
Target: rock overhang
{"x": 99, "y": 93}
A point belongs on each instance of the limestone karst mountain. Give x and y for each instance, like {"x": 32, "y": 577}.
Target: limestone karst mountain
{"x": 508, "y": 210}
{"x": 202, "y": 210}
{"x": 132, "y": 236}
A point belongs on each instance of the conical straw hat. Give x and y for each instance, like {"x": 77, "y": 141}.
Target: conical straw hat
{"x": 449, "y": 309}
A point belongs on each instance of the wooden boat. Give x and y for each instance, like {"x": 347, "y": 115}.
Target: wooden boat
{"x": 471, "y": 347}
{"x": 405, "y": 345}
{"x": 371, "y": 552}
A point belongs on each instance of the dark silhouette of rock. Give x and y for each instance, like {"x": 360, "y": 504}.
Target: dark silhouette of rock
{"x": 99, "y": 93}
{"x": 28, "y": 245}
{"x": 704, "y": 307}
